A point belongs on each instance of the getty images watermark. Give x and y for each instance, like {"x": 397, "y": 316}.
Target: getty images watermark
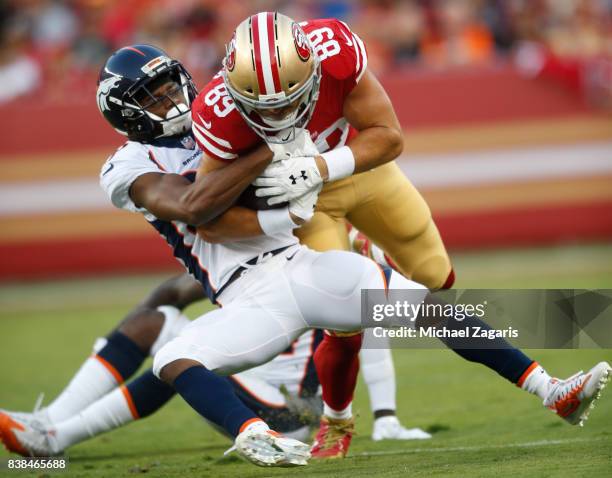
{"x": 487, "y": 318}
{"x": 429, "y": 326}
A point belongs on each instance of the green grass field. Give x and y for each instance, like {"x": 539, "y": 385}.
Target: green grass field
{"x": 483, "y": 425}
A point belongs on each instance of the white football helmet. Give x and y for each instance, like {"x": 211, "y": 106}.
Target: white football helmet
{"x": 273, "y": 75}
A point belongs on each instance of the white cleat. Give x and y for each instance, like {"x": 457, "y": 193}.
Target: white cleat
{"x": 269, "y": 448}
{"x": 390, "y": 428}
{"x": 26, "y": 439}
{"x": 574, "y": 398}
{"x": 38, "y": 419}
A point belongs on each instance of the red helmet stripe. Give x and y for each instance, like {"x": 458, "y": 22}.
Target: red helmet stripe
{"x": 272, "y": 51}
{"x": 257, "y": 54}
{"x": 134, "y": 49}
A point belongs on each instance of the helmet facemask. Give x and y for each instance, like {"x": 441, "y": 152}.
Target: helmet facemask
{"x": 301, "y": 105}
{"x": 273, "y": 75}
{"x": 168, "y": 110}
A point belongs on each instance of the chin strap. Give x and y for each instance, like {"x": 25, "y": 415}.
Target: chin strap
{"x": 177, "y": 121}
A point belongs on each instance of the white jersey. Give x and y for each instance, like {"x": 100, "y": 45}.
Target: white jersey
{"x": 211, "y": 264}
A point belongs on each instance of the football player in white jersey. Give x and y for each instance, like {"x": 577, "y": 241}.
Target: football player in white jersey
{"x": 146, "y": 95}
{"x": 137, "y": 179}
{"x": 134, "y": 179}
{"x": 271, "y": 288}
{"x": 283, "y": 391}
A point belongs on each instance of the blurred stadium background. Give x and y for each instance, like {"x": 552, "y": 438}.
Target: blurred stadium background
{"x": 506, "y": 106}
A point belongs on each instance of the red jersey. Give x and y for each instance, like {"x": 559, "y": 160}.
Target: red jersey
{"x": 222, "y": 133}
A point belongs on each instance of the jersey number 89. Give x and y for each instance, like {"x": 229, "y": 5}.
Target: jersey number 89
{"x": 323, "y": 43}
{"x": 217, "y": 93}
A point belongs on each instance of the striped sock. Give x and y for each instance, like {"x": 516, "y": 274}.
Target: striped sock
{"x": 139, "y": 399}
{"x": 116, "y": 361}
{"x": 110, "y": 412}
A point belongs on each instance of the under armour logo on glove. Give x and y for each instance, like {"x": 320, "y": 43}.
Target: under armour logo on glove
{"x": 294, "y": 179}
{"x": 280, "y": 181}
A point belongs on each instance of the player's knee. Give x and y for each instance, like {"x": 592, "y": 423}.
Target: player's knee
{"x": 151, "y": 329}
{"x": 172, "y": 370}
{"x": 171, "y": 360}
{"x": 434, "y": 272}
{"x": 143, "y": 326}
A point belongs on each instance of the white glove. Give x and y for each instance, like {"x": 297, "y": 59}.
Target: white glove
{"x": 304, "y": 206}
{"x": 302, "y": 145}
{"x": 288, "y": 179}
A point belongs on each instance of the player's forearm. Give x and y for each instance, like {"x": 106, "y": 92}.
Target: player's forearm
{"x": 215, "y": 191}
{"x": 235, "y": 223}
{"x": 375, "y": 146}
{"x": 243, "y": 223}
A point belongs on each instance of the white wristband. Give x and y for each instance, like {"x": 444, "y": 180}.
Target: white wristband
{"x": 340, "y": 163}
{"x": 273, "y": 221}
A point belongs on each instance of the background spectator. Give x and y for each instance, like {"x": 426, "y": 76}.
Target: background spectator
{"x": 60, "y": 44}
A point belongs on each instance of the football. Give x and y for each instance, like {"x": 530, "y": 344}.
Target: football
{"x": 249, "y": 200}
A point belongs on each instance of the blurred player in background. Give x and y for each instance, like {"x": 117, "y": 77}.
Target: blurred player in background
{"x": 284, "y": 392}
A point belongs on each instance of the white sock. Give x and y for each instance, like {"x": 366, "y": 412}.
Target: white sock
{"x": 299, "y": 434}
{"x": 91, "y": 382}
{"x": 379, "y": 376}
{"x": 536, "y": 382}
{"x": 110, "y": 412}
{"x": 338, "y": 414}
{"x": 386, "y": 419}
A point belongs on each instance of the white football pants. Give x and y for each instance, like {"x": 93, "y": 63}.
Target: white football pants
{"x": 273, "y": 303}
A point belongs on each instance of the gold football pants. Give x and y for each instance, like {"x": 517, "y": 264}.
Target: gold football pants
{"x": 386, "y": 207}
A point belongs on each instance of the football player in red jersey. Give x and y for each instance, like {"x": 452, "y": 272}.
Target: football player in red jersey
{"x": 350, "y": 118}
{"x": 280, "y": 77}
{"x": 287, "y": 84}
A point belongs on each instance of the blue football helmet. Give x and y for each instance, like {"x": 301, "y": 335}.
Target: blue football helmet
{"x": 128, "y": 88}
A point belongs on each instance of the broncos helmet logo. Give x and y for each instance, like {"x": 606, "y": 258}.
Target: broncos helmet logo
{"x": 103, "y": 94}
